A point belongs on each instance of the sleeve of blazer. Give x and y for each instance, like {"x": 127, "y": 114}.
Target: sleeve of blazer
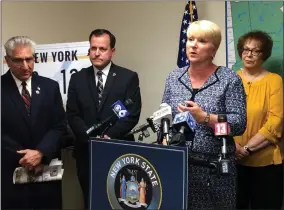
{"x": 75, "y": 122}
{"x": 10, "y": 147}
{"x": 50, "y": 144}
{"x": 122, "y": 127}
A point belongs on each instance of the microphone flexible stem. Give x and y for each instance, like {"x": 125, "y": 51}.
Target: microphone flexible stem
{"x": 91, "y": 129}
{"x": 99, "y": 125}
{"x": 138, "y": 129}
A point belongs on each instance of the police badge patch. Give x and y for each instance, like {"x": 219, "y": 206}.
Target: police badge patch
{"x": 133, "y": 183}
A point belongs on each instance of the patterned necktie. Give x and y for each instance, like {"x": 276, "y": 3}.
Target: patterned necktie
{"x": 100, "y": 85}
{"x": 26, "y": 97}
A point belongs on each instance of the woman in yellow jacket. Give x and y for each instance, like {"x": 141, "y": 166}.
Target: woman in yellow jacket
{"x": 259, "y": 165}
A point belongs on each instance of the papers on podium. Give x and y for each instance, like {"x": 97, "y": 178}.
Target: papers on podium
{"x": 52, "y": 172}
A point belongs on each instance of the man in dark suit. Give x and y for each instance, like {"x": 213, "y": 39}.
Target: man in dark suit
{"x": 33, "y": 121}
{"x": 91, "y": 93}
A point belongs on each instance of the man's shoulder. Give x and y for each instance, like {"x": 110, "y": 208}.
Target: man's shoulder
{"x": 5, "y": 80}
{"x": 119, "y": 69}
{"x": 82, "y": 72}
{"x": 46, "y": 81}
{"x": 123, "y": 70}
{"x": 4, "y": 77}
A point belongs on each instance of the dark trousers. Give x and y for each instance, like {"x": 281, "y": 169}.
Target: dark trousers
{"x": 260, "y": 187}
{"x": 82, "y": 165}
{"x": 45, "y": 195}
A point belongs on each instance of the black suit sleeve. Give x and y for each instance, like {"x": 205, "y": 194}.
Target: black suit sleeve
{"x": 68, "y": 138}
{"x": 50, "y": 143}
{"x": 76, "y": 123}
{"x": 10, "y": 147}
{"x": 122, "y": 127}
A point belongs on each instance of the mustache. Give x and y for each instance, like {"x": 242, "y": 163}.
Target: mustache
{"x": 95, "y": 58}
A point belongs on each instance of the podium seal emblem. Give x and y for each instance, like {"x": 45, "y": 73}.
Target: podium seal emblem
{"x": 133, "y": 183}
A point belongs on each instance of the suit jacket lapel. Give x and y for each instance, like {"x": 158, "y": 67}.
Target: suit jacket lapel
{"x": 110, "y": 79}
{"x": 37, "y": 97}
{"x": 15, "y": 96}
{"x": 92, "y": 84}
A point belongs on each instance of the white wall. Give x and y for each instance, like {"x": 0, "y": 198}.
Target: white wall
{"x": 147, "y": 42}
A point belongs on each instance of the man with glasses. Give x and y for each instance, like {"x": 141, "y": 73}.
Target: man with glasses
{"x": 33, "y": 121}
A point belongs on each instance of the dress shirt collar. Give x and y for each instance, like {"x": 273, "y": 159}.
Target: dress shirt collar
{"x": 19, "y": 82}
{"x": 105, "y": 71}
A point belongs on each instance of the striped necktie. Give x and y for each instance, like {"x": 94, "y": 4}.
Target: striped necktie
{"x": 26, "y": 97}
{"x": 100, "y": 85}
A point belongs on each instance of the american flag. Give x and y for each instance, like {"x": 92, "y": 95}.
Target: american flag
{"x": 190, "y": 15}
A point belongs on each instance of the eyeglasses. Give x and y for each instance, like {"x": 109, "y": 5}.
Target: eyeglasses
{"x": 253, "y": 52}
{"x": 20, "y": 61}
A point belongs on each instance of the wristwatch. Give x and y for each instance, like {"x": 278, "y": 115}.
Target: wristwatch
{"x": 247, "y": 149}
{"x": 207, "y": 118}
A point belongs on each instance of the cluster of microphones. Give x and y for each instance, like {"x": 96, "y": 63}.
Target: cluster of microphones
{"x": 161, "y": 122}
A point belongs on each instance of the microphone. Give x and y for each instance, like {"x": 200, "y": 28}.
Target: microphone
{"x": 154, "y": 122}
{"x": 163, "y": 118}
{"x": 120, "y": 112}
{"x": 184, "y": 123}
{"x": 165, "y": 112}
{"x": 144, "y": 126}
{"x": 165, "y": 129}
{"x": 222, "y": 130}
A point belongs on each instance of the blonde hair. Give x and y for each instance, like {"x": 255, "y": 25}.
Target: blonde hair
{"x": 206, "y": 29}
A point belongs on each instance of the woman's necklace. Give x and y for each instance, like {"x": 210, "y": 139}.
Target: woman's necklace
{"x": 250, "y": 78}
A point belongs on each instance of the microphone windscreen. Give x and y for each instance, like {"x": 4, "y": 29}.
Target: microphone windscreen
{"x": 163, "y": 105}
{"x": 184, "y": 119}
{"x": 120, "y": 110}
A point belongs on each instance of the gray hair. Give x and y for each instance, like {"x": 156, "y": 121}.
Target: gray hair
{"x": 15, "y": 41}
